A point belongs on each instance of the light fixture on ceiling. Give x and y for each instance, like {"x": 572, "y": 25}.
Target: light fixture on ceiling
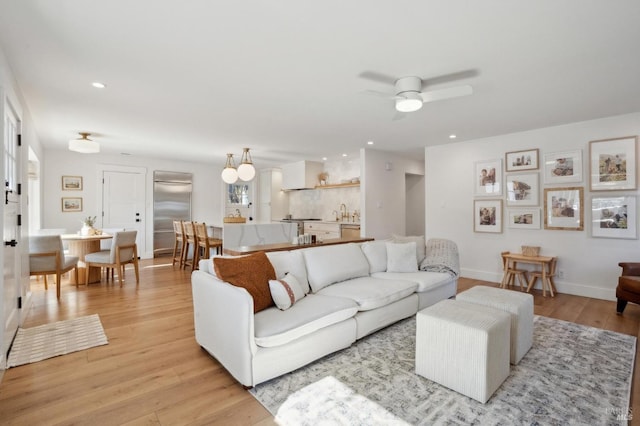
{"x": 409, "y": 102}
{"x": 230, "y": 173}
{"x": 98, "y": 85}
{"x": 246, "y": 171}
{"x": 84, "y": 145}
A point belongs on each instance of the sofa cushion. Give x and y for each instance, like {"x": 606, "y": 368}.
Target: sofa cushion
{"x": 331, "y": 264}
{"x": 251, "y": 272}
{"x": 425, "y": 280}
{"x": 286, "y": 291}
{"x": 421, "y": 249}
{"x": 371, "y": 293}
{"x": 401, "y": 257}
{"x": 274, "y": 327}
{"x": 376, "y": 254}
{"x": 290, "y": 262}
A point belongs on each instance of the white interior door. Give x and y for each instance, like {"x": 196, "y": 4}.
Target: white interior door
{"x": 10, "y": 235}
{"x": 123, "y": 202}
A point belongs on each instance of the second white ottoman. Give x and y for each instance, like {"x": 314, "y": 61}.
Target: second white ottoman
{"x": 519, "y": 305}
{"x": 463, "y": 346}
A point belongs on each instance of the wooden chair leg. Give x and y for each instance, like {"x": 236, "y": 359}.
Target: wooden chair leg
{"x": 46, "y": 287}
{"x": 58, "y": 286}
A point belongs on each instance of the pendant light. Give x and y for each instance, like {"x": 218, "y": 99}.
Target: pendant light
{"x": 246, "y": 171}
{"x": 84, "y": 145}
{"x": 229, "y": 173}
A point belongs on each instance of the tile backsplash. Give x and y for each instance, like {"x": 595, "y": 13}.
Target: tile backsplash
{"x": 321, "y": 203}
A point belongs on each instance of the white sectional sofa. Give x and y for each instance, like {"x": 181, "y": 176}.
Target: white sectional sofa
{"x": 351, "y": 293}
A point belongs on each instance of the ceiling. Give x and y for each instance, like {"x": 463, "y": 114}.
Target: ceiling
{"x": 192, "y": 80}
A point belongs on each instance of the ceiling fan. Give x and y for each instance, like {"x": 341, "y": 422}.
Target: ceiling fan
{"x": 410, "y": 91}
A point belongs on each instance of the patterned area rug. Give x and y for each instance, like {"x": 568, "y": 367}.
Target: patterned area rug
{"x": 572, "y": 375}
{"x": 59, "y": 338}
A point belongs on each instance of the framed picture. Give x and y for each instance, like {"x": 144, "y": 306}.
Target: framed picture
{"x": 564, "y": 208}
{"x": 522, "y": 160}
{"x": 524, "y": 218}
{"x": 522, "y": 189}
{"x": 71, "y": 204}
{"x": 563, "y": 167}
{"x": 72, "y": 183}
{"x": 487, "y": 216}
{"x": 487, "y": 178}
{"x": 614, "y": 217}
{"x": 613, "y": 164}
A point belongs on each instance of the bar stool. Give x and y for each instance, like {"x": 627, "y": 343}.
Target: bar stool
{"x": 178, "y": 242}
{"x": 190, "y": 243}
{"x": 205, "y": 242}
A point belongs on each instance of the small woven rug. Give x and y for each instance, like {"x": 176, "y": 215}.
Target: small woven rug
{"x": 573, "y": 374}
{"x": 59, "y": 338}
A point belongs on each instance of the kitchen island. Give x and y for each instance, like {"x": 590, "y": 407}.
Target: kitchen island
{"x": 241, "y": 250}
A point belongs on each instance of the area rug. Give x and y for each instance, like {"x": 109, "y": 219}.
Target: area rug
{"x": 573, "y": 374}
{"x": 59, "y": 338}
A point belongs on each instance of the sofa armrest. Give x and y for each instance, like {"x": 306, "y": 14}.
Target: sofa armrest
{"x": 630, "y": 268}
{"x": 224, "y": 324}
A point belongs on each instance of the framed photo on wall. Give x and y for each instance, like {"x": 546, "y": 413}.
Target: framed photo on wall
{"x": 612, "y": 164}
{"x": 563, "y": 167}
{"x": 487, "y": 216}
{"x": 487, "y": 178}
{"x": 522, "y": 189}
{"x": 72, "y": 183}
{"x": 614, "y": 217}
{"x": 564, "y": 208}
{"x": 524, "y": 218}
{"x": 71, "y": 204}
{"x": 522, "y": 160}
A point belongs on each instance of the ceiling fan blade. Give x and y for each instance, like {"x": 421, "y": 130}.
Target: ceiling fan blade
{"x": 447, "y": 78}
{"x": 378, "y": 94}
{"x": 378, "y": 77}
{"x": 450, "y": 92}
{"x": 399, "y": 116}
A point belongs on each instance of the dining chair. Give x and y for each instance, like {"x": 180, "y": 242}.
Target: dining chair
{"x": 124, "y": 250}
{"x": 190, "y": 245}
{"x": 178, "y": 243}
{"x": 47, "y": 257}
{"x": 510, "y": 273}
{"x": 206, "y": 243}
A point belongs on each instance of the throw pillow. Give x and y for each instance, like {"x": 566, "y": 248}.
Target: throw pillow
{"x": 401, "y": 257}
{"x": 251, "y": 272}
{"x": 376, "y": 254}
{"x": 421, "y": 250}
{"x": 286, "y": 291}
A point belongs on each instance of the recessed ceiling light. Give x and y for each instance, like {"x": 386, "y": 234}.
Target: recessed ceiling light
{"x": 324, "y": 158}
{"x": 370, "y": 143}
{"x": 98, "y": 85}
{"x": 452, "y": 136}
{"x": 344, "y": 155}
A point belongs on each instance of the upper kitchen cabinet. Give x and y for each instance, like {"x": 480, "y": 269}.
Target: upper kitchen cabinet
{"x": 273, "y": 203}
{"x": 301, "y": 175}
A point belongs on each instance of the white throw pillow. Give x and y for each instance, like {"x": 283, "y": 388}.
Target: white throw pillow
{"x": 421, "y": 246}
{"x": 286, "y": 291}
{"x": 401, "y": 257}
{"x": 376, "y": 253}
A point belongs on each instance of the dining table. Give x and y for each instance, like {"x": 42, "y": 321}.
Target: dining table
{"x": 81, "y": 245}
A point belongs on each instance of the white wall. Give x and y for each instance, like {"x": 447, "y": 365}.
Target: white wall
{"x": 590, "y": 265}
{"x": 383, "y": 192}
{"x": 206, "y": 201}
{"x": 415, "y": 204}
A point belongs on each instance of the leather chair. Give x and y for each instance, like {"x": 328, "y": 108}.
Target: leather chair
{"x": 123, "y": 250}
{"x": 46, "y": 257}
{"x": 628, "y": 289}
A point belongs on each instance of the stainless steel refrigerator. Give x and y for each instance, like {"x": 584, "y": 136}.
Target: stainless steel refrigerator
{"x": 171, "y": 201}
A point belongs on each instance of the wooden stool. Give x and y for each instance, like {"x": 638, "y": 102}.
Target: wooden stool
{"x": 510, "y": 273}
{"x": 547, "y": 282}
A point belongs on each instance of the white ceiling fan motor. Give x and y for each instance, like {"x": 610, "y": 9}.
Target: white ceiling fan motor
{"x": 408, "y": 98}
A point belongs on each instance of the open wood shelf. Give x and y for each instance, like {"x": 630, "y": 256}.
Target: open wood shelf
{"x": 338, "y": 185}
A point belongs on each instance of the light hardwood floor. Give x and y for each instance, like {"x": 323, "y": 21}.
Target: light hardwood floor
{"x": 153, "y": 371}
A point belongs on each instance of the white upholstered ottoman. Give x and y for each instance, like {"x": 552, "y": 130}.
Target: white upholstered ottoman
{"x": 463, "y": 346}
{"x": 519, "y": 305}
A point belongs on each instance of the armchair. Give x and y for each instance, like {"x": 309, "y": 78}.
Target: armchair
{"x": 628, "y": 289}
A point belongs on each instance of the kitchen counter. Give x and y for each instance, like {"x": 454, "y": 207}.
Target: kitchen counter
{"x": 238, "y": 251}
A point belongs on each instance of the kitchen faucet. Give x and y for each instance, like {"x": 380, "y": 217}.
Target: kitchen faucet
{"x": 343, "y": 211}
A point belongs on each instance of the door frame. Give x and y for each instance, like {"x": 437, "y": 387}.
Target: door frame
{"x": 147, "y": 229}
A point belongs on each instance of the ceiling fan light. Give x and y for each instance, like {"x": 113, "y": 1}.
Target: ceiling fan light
{"x": 230, "y": 173}
{"x": 409, "y": 102}
{"x": 246, "y": 171}
{"x": 84, "y": 145}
